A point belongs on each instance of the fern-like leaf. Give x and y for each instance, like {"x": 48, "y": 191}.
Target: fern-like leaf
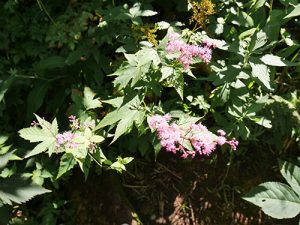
{"x": 19, "y": 190}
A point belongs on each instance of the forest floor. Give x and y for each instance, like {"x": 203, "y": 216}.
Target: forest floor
{"x": 175, "y": 191}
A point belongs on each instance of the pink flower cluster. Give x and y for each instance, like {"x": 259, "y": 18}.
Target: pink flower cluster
{"x": 187, "y": 51}
{"x": 66, "y": 139}
{"x": 75, "y": 125}
{"x": 188, "y": 140}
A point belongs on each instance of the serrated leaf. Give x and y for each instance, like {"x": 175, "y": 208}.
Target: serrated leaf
{"x": 115, "y": 102}
{"x": 187, "y": 120}
{"x": 114, "y": 116}
{"x": 111, "y": 118}
{"x": 97, "y": 139}
{"x": 46, "y": 126}
{"x": 46, "y": 135}
{"x": 258, "y": 40}
{"x": 147, "y": 56}
{"x": 79, "y": 153}
{"x": 42, "y": 147}
{"x": 295, "y": 12}
{"x": 276, "y": 199}
{"x": 35, "y": 134}
{"x": 261, "y": 72}
{"x": 273, "y": 60}
{"x": 67, "y": 162}
{"x": 178, "y": 84}
{"x": 54, "y": 126}
{"x": 124, "y": 76}
{"x": 4, "y": 159}
{"x": 89, "y": 100}
{"x": 262, "y": 121}
{"x": 125, "y": 124}
{"x": 132, "y": 59}
{"x": 166, "y": 72}
{"x": 291, "y": 173}
{"x": 19, "y": 190}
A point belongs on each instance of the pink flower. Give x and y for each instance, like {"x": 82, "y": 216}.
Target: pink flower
{"x": 209, "y": 43}
{"x": 221, "y": 132}
{"x": 158, "y": 121}
{"x": 172, "y": 137}
{"x": 221, "y": 140}
{"x": 66, "y": 139}
{"x": 233, "y": 144}
{"x": 34, "y": 124}
{"x": 187, "y": 51}
{"x": 174, "y": 46}
{"x": 74, "y": 122}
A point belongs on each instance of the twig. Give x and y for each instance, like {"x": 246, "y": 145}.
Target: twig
{"x": 170, "y": 171}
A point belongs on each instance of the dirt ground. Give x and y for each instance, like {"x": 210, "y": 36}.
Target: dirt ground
{"x": 175, "y": 191}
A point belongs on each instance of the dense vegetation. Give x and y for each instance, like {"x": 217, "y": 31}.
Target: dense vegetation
{"x": 149, "y": 112}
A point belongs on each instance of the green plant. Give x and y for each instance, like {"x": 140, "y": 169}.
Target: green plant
{"x": 278, "y": 199}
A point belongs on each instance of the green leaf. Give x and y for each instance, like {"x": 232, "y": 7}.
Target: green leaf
{"x": 114, "y": 116}
{"x": 258, "y": 4}
{"x": 4, "y": 159}
{"x": 273, "y": 60}
{"x": 46, "y": 135}
{"x": 89, "y": 100}
{"x": 35, "y": 98}
{"x": 258, "y": 40}
{"x": 276, "y": 199}
{"x": 166, "y": 72}
{"x": 42, "y": 147}
{"x": 261, "y": 121}
{"x": 97, "y": 139}
{"x": 186, "y": 120}
{"x": 126, "y": 160}
{"x": 291, "y": 173}
{"x": 125, "y": 75}
{"x": 187, "y": 144}
{"x": 79, "y": 153}
{"x": 118, "y": 166}
{"x": 46, "y": 126}
{"x": 274, "y": 23}
{"x": 50, "y": 63}
{"x": 35, "y": 134}
{"x": 261, "y": 72}
{"x": 67, "y": 162}
{"x": 19, "y": 190}
{"x": 244, "y": 19}
{"x": 4, "y": 86}
{"x": 125, "y": 124}
{"x": 115, "y": 102}
{"x": 295, "y": 12}
{"x": 243, "y": 130}
{"x": 178, "y": 84}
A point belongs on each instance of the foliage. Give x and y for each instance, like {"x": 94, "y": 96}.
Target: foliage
{"x": 14, "y": 188}
{"x": 109, "y": 66}
{"x": 277, "y": 199}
